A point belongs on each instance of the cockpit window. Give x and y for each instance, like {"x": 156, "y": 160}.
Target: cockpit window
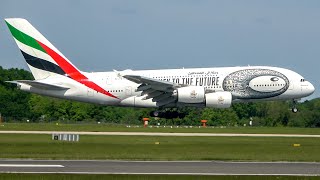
{"x": 302, "y": 80}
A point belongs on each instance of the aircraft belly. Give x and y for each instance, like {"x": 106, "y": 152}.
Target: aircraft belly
{"x": 138, "y": 101}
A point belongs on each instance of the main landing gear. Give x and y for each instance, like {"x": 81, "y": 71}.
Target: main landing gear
{"x": 294, "y": 108}
{"x": 168, "y": 114}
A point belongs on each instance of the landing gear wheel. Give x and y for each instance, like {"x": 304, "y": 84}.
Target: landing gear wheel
{"x": 294, "y": 110}
{"x": 168, "y": 114}
{"x": 155, "y": 113}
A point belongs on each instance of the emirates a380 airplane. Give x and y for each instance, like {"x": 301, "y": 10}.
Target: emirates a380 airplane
{"x": 219, "y": 87}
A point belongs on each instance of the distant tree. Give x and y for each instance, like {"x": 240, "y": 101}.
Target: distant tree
{"x": 13, "y": 102}
{"x": 245, "y": 110}
{"x": 224, "y": 117}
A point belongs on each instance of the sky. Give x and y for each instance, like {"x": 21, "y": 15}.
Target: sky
{"x": 102, "y": 35}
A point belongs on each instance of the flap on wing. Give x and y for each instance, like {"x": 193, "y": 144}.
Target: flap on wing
{"x": 39, "y": 85}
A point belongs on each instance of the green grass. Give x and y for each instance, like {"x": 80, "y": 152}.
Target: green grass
{"x": 142, "y": 177}
{"x": 123, "y": 128}
{"x": 170, "y": 148}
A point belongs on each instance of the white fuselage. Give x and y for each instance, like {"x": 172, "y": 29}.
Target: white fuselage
{"x": 250, "y": 83}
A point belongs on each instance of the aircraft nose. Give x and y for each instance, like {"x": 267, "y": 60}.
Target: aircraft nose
{"x": 310, "y": 88}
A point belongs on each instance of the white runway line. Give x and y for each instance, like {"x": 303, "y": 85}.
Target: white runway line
{"x": 31, "y": 165}
{"x": 160, "y": 134}
{"x": 189, "y": 174}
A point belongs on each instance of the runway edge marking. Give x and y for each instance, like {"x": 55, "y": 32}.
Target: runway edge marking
{"x": 190, "y": 174}
{"x": 31, "y": 165}
{"x": 160, "y": 134}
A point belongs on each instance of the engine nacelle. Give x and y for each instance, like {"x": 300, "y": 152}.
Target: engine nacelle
{"x": 23, "y": 87}
{"x": 191, "y": 94}
{"x": 219, "y": 99}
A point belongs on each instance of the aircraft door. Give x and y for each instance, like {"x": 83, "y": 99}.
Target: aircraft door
{"x": 291, "y": 85}
{"x": 90, "y": 92}
{"x": 109, "y": 80}
{"x": 128, "y": 91}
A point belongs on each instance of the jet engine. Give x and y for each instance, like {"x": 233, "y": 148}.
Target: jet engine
{"x": 191, "y": 94}
{"x": 196, "y": 94}
{"x": 219, "y": 99}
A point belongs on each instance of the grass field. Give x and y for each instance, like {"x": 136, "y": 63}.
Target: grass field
{"x": 123, "y": 128}
{"x": 142, "y": 177}
{"x": 170, "y": 148}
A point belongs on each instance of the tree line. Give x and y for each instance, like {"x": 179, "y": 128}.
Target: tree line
{"x": 16, "y": 105}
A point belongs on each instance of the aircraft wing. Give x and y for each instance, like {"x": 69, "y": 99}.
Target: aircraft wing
{"x": 161, "y": 92}
{"x": 154, "y": 83}
{"x": 39, "y": 85}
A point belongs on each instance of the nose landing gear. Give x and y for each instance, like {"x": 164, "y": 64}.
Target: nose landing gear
{"x": 294, "y": 108}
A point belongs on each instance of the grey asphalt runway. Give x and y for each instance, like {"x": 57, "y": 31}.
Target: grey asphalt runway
{"x": 159, "y": 134}
{"x": 160, "y": 167}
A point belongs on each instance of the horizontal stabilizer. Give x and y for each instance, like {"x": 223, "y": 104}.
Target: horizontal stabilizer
{"x": 39, "y": 85}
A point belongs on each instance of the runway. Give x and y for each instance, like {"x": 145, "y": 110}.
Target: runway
{"x": 159, "y": 134}
{"x": 160, "y": 167}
